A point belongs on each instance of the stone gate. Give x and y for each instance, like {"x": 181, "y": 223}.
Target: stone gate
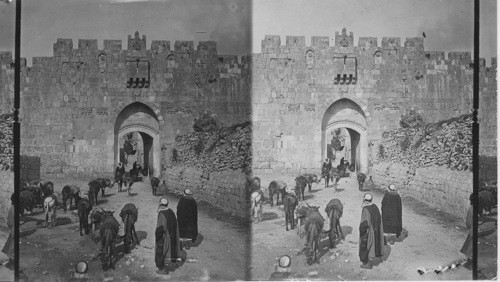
{"x": 76, "y": 105}
{"x": 301, "y": 93}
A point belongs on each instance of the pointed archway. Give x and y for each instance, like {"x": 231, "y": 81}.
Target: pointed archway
{"x": 345, "y": 113}
{"x": 140, "y": 118}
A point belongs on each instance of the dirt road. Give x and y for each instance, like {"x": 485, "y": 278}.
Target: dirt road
{"x": 51, "y": 254}
{"x": 434, "y": 239}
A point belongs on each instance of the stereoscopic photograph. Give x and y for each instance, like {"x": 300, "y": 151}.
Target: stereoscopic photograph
{"x": 362, "y": 140}
{"x": 236, "y": 140}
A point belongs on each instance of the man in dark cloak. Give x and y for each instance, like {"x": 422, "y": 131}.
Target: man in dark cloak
{"x": 392, "y": 213}
{"x": 467, "y": 246}
{"x": 187, "y": 216}
{"x": 8, "y": 248}
{"x": 167, "y": 245}
{"x": 371, "y": 233}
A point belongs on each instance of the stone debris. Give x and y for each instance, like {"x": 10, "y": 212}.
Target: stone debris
{"x": 446, "y": 143}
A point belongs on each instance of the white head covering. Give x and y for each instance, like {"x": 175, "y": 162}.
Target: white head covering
{"x": 187, "y": 192}
{"x": 163, "y": 204}
{"x": 285, "y": 261}
{"x": 368, "y": 197}
{"x": 392, "y": 187}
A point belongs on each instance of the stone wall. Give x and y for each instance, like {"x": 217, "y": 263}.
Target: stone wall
{"x": 71, "y": 102}
{"x": 438, "y": 187}
{"x": 224, "y": 189}
{"x": 215, "y": 165}
{"x": 6, "y": 190}
{"x": 30, "y": 169}
{"x": 298, "y": 91}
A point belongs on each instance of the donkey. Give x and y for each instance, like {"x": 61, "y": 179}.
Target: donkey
{"x": 257, "y": 199}
{"x": 94, "y": 187}
{"x": 334, "y": 210}
{"x": 155, "y": 182}
{"x": 108, "y": 232}
{"x": 129, "y": 215}
{"x": 290, "y": 203}
{"x": 26, "y": 202}
{"x": 84, "y": 207}
{"x": 71, "y": 193}
{"x": 311, "y": 178}
{"x": 276, "y": 187}
{"x": 300, "y": 186}
{"x": 361, "y": 180}
{"x": 313, "y": 232}
{"x": 104, "y": 183}
{"x": 36, "y": 192}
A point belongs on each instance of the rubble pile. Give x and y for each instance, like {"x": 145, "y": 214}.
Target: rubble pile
{"x": 447, "y": 143}
{"x": 6, "y": 142}
{"x": 218, "y": 150}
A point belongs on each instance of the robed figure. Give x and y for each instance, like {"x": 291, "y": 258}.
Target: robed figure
{"x": 187, "y": 216}
{"x": 371, "y": 232}
{"x": 392, "y": 212}
{"x": 8, "y": 248}
{"x": 467, "y": 246}
{"x": 167, "y": 245}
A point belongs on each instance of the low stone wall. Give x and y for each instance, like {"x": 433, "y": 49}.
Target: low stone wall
{"x": 6, "y": 190}
{"x": 439, "y": 187}
{"x": 30, "y": 168}
{"x": 224, "y": 189}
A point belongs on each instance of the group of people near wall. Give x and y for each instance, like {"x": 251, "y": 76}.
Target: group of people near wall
{"x": 377, "y": 227}
{"x": 171, "y": 228}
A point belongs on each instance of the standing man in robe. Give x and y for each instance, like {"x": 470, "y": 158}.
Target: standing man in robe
{"x": 8, "y": 248}
{"x": 167, "y": 245}
{"x": 392, "y": 213}
{"x": 467, "y": 246}
{"x": 187, "y": 216}
{"x": 371, "y": 233}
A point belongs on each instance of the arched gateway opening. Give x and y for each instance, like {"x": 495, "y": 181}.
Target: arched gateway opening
{"x": 140, "y": 122}
{"x": 347, "y": 116}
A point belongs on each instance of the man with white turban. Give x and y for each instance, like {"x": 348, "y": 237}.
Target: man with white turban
{"x": 371, "y": 233}
{"x": 167, "y": 246}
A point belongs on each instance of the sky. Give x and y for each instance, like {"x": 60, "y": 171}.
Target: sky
{"x": 42, "y": 22}
{"x": 239, "y": 26}
{"x": 448, "y": 24}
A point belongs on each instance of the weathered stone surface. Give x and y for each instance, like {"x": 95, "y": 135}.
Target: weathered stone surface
{"x": 215, "y": 165}
{"x": 438, "y": 187}
{"x": 72, "y": 100}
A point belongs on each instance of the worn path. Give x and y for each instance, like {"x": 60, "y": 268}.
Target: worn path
{"x": 51, "y": 254}
{"x": 434, "y": 239}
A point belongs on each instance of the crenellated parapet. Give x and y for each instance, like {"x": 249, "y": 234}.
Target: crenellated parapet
{"x": 390, "y": 48}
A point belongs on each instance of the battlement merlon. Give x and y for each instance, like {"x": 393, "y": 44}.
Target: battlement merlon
{"x": 160, "y": 46}
{"x": 414, "y": 43}
{"x": 320, "y": 42}
{"x": 271, "y": 44}
{"x": 5, "y": 57}
{"x": 209, "y": 47}
{"x": 391, "y": 43}
{"x": 296, "y": 41}
{"x": 367, "y": 42}
{"x": 184, "y": 47}
{"x": 63, "y": 47}
{"x": 87, "y": 44}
